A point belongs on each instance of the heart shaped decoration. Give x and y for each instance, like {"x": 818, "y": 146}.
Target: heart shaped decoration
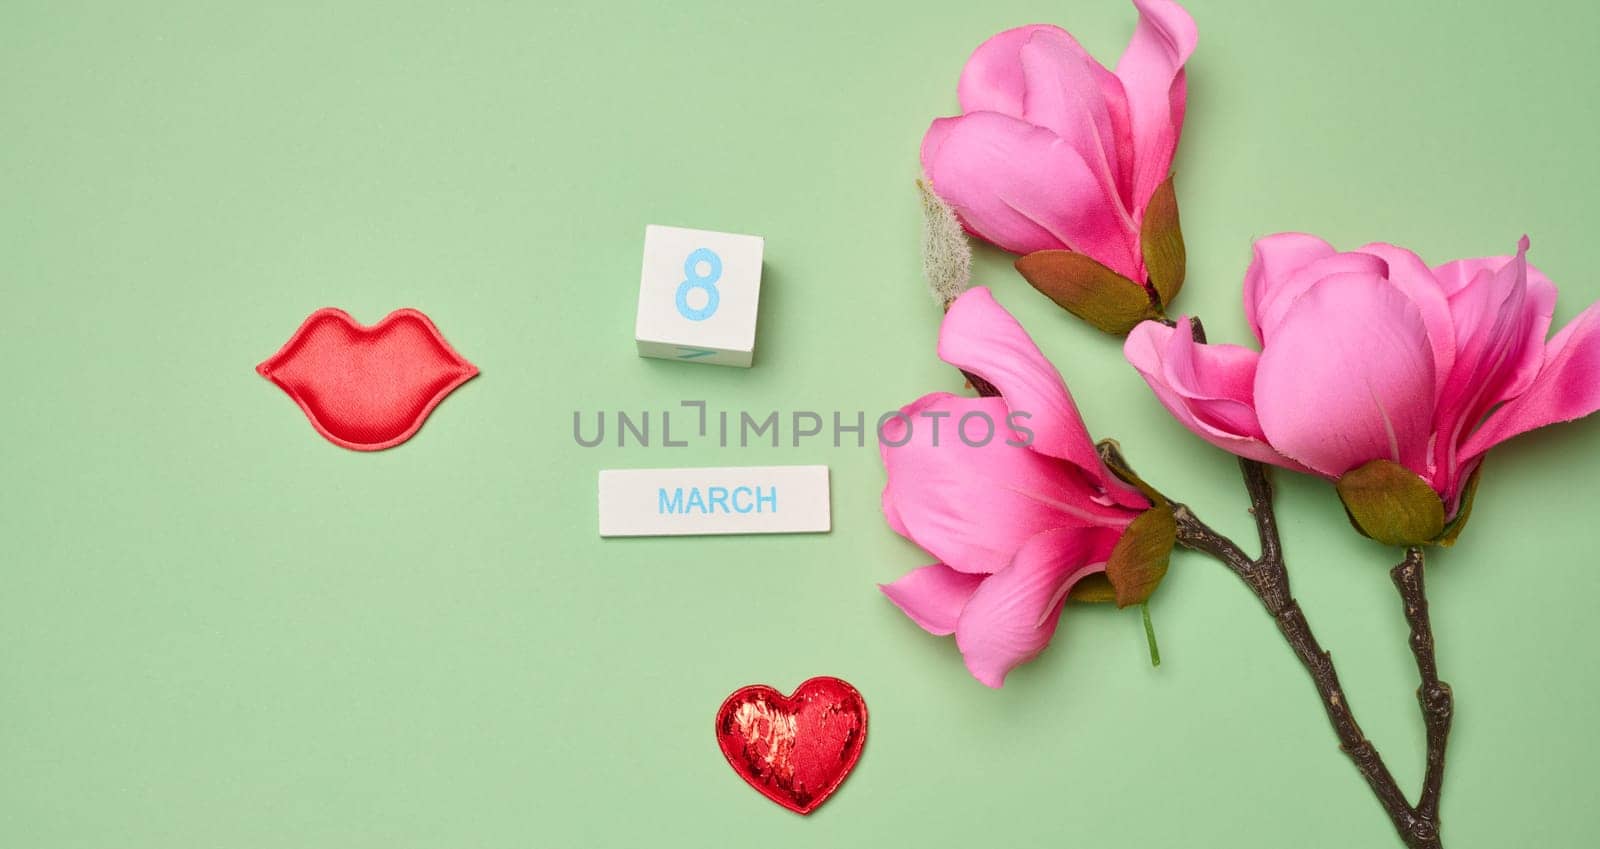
{"x": 795, "y": 749}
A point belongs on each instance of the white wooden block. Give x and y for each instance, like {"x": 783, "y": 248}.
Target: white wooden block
{"x": 727, "y": 500}
{"x": 698, "y": 295}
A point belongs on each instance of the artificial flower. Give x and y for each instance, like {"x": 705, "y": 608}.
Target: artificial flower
{"x": 1053, "y": 151}
{"x": 1015, "y": 515}
{"x": 1370, "y": 359}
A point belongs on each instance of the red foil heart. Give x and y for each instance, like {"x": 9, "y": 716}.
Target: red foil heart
{"x": 367, "y": 388}
{"x": 795, "y": 749}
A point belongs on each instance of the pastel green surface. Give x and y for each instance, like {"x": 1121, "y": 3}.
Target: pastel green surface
{"x": 217, "y": 629}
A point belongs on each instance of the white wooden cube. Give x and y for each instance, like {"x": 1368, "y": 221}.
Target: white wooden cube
{"x": 698, "y": 295}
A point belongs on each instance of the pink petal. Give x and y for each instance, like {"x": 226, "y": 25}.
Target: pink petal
{"x": 1476, "y": 305}
{"x": 1454, "y": 276}
{"x": 933, "y": 141}
{"x": 1501, "y": 316}
{"x": 993, "y": 80}
{"x": 1278, "y": 297}
{"x": 1277, "y": 258}
{"x": 1075, "y": 97}
{"x": 933, "y": 596}
{"x": 979, "y": 336}
{"x": 1567, "y": 387}
{"x": 1151, "y": 70}
{"x": 1348, "y": 377}
{"x": 1041, "y": 74}
{"x": 1219, "y": 379}
{"x": 1209, "y": 389}
{"x": 1409, "y": 274}
{"x": 1014, "y": 612}
{"x": 973, "y": 507}
{"x": 1026, "y": 189}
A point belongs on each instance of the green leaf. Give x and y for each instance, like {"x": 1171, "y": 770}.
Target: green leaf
{"x": 1139, "y": 559}
{"x": 1088, "y": 290}
{"x": 1161, "y": 242}
{"x": 1469, "y": 494}
{"x": 1389, "y": 503}
{"x": 1093, "y": 589}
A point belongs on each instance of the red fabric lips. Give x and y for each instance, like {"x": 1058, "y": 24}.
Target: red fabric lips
{"x": 795, "y": 749}
{"x": 367, "y": 388}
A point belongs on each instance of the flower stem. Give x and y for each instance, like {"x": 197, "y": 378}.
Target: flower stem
{"x": 1268, "y": 578}
{"x": 1150, "y": 635}
{"x": 1433, "y": 696}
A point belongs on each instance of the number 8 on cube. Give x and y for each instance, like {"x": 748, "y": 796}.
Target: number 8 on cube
{"x": 698, "y": 294}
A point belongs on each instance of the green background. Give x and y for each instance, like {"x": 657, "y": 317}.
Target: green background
{"x": 219, "y": 630}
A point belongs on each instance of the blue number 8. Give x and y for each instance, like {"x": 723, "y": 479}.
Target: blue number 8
{"x": 693, "y": 280}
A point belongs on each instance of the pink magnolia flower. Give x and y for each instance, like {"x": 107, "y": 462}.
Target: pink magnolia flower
{"x": 1015, "y": 520}
{"x": 1372, "y": 355}
{"x": 1052, "y": 150}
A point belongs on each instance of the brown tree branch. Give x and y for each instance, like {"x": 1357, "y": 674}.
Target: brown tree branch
{"x": 1259, "y": 486}
{"x": 1433, "y": 696}
{"x": 1268, "y": 578}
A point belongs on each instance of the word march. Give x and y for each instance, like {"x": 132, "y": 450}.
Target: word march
{"x": 739, "y": 499}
